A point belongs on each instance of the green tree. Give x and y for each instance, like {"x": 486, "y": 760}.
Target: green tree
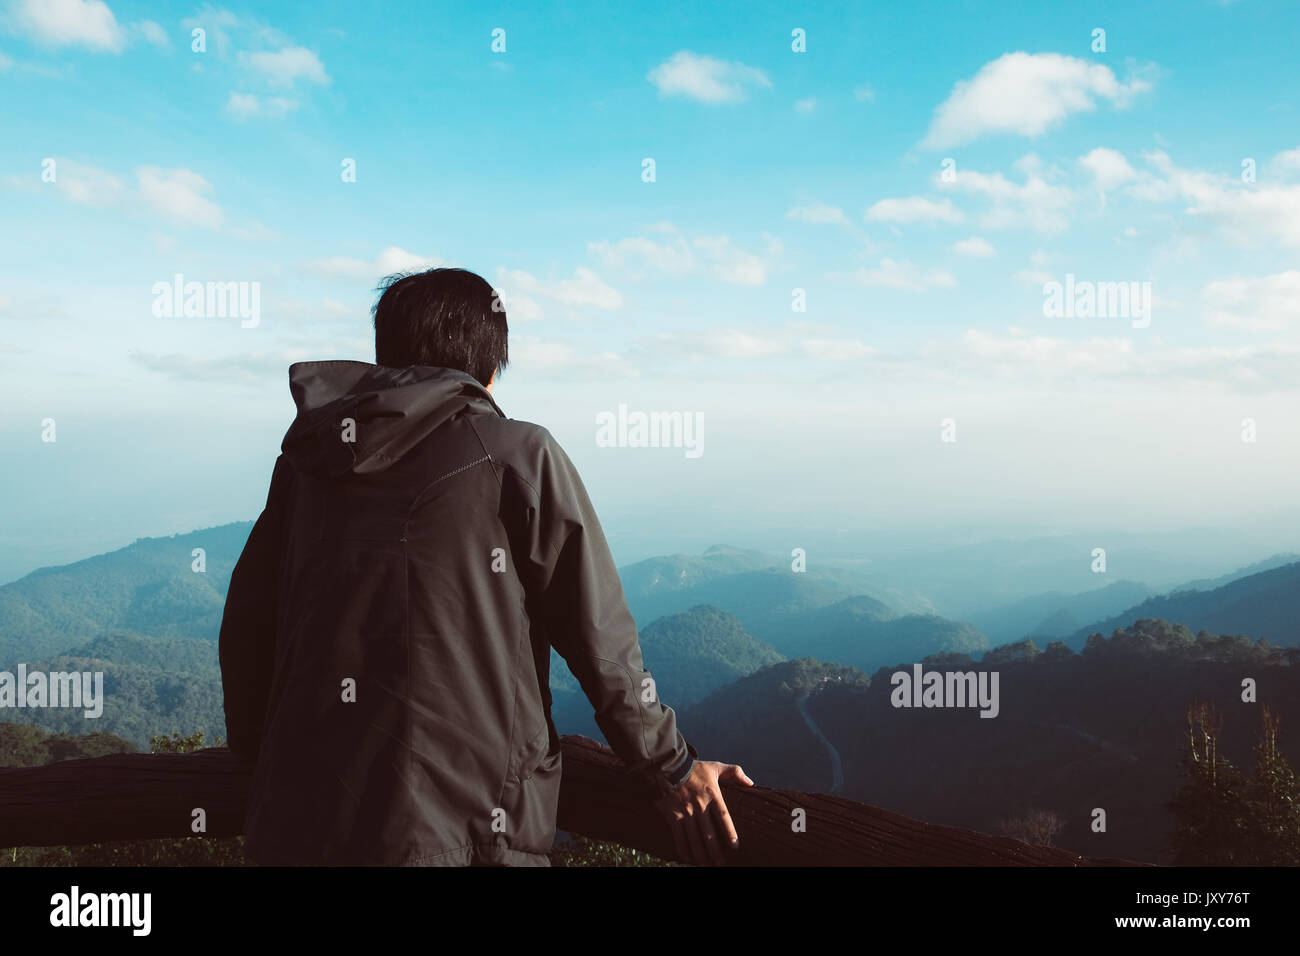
{"x": 1223, "y": 817}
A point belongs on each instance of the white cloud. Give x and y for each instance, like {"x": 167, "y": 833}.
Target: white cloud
{"x": 178, "y": 195}
{"x": 80, "y": 183}
{"x": 974, "y": 247}
{"x": 287, "y": 66}
{"x": 729, "y": 263}
{"x": 1249, "y": 215}
{"x": 1025, "y": 94}
{"x": 248, "y": 105}
{"x": 1020, "y": 349}
{"x": 818, "y": 213}
{"x": 219, "y": 24}
{"x": 903, "y": 276}
{"x": 84, "y": 23}
{"x": 1263, "y": 304}
{"x": 705, "y": 79}
{"x": 535, "y": 357}
{"x": 248, "y": 368}
{"x": 838, "y": 350}
{"x": 254, "y": 231}
{"x": 393, "y": 259}
{"x": 1287, "y": 161}
{"x": 5, "y": 62}
{"x": 715, "y": 256}
{"x": 519, "y": 306}
{"x": 1021, "y": 355}
{"x": 586, "y": 288}
{"x": 1035, "y": 203}
{"x": 154, "y": 34}
{"x": 1034, "y": 277}
{"x": 914, "y": 209}
{"x": 638, "y": 256}
{"x": 1108, "y": 167}
{"x": 313, "y": 312}
{"x": 716, "y": 343}
{"x": 864, "y": 94}
{"x": 805, "y": 105}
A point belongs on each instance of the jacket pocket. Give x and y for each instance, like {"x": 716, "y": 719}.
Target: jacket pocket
{"x": 533, "y": 800}
{"x": 533, "y": 754}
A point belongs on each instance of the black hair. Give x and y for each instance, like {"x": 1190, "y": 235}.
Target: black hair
{"x": 447, "y": 317}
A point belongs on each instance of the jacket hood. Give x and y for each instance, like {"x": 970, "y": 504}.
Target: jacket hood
{"x": 394, "y": 409}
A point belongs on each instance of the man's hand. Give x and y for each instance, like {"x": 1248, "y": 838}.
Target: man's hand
{"x": 697, "y": 814}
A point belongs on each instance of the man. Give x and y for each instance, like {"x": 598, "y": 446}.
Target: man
{"x": 385, "y": 648}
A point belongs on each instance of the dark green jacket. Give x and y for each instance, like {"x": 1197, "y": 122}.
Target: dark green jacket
{"x": 386, "y": 641}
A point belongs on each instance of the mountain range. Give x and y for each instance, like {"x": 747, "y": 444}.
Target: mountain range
{"x": 787, "y": 672}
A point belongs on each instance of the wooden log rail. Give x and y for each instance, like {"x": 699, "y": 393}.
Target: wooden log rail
{"x": 142, "y": 796}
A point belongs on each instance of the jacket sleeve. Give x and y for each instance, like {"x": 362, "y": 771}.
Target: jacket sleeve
{"x": 587, "y": 620}
{"x": 248, "y": 625}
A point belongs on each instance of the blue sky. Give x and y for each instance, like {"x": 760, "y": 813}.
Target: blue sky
{"x": 775, "y": 171}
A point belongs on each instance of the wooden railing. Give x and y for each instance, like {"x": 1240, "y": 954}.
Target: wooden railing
{"x": 141, "y": 796}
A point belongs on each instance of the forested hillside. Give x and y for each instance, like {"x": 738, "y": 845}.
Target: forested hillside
{"x": 1075, "y": 732}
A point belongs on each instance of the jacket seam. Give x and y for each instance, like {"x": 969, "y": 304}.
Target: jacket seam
{"x": 457, "y": 471}
{"x": 486, "y": 452}
{"x": 636, "y": 702}
{"x": 537, "y": 497}
{"x": 514, "y": 722}
{"x": 423, "y": 491}
{"x": 406, "y": 628}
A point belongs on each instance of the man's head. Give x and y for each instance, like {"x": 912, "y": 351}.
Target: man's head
{"x": 446, "y": 317}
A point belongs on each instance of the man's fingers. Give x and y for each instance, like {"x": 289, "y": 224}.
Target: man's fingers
{"x": 733, "y": 772}
{"x": 698, "y": 855}
{"x": 709, "y": 836}
{"x": 728, "y": 828}
{"x": 677, "y": 825}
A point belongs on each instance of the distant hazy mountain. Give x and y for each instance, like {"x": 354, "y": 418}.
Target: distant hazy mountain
{"x": 140, "y": 606}
{"x": 967, "y": 581}
{"x": 1265, "y": 605}
{"x": 678, "y": 572}
{"x": 828, "y": 613}
{"x": 748, "y": 585}
{"x": 1054, "y": 614}
{"x": 863, "y": 633}
{"x": 1268, "y": 564}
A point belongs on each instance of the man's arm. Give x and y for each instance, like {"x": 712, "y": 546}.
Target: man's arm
{"x": 580, "y": 599}
{"x": 248, "y": 626}
{"x": 588, "y": 621}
